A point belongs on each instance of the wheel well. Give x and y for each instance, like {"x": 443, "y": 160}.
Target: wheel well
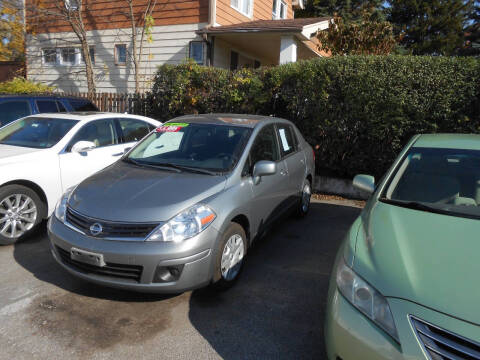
{"x": 32, "y": 186}
{"x": 242, "y": 220}
{"x": 310, "y": 178}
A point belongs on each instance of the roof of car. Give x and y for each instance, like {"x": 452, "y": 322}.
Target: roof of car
{"x": 250, "y": 121}
{"x": 42, "y": 96}
{"x": 449, "y": 141}
{"x": 87, "y": 115}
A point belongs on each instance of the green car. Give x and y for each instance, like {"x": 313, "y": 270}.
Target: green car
{"x": 406, "y": 279}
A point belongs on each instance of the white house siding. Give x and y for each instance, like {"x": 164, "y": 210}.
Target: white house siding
{"x": 170, "y": 45}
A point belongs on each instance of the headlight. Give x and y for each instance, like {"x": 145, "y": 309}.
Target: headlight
{"x": 61, "y": 207}
{"x": 366, "y": 299}
{"x": 185, "y": 225}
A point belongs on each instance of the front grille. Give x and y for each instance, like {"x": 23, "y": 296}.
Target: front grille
{"x": 131, "y": 273}
{"x": 441, "y": 344}
{"x": 110, "y": 229}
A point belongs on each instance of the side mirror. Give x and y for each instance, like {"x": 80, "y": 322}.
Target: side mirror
{"x": 263, "y": 168}
{"x": 126, "y": 150}
{"x": 365, "y": 183}
{"x": 83, "y": 146}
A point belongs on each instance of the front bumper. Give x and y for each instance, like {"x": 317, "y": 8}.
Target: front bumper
{"x": 349, "y": 335}
{"x": 193, "y": 257}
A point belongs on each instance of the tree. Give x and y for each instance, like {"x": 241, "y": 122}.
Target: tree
{"x": 368, "y": 35}
{"x": 145, "y": 22}
{"x": 44, "y": 12}
{"x": 12, "y": 35}
{"x": 346, "y": 9}
{"x": 429, "y": 27}
{"x": 472, "y": 32}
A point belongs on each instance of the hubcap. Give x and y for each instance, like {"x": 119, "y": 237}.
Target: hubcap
{"x": 18, "y": 214}
{"x": 306, "y": 195}
{"x": 232, "y": 257}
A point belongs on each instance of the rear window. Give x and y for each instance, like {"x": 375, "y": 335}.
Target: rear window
{"x": 13, "y": 110}
{"x": 82, "y": 105}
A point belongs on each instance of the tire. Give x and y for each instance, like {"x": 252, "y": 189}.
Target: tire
{"x": 224, "y": 278}
{"x": 303, "y": 206}
{"x": 21, "y": 210}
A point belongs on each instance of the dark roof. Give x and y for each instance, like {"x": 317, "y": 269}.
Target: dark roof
{"x": 36, "y": 96}
{"x": 226, "y": 119}
{"x": 293, "y": 25}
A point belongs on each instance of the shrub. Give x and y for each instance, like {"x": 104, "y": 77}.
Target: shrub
{"x": 357, "y": 111}
{"x": 20, "y": 85}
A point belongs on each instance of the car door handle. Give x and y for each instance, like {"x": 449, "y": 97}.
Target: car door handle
{"x": 302, "y": 161}
{"x": 283, "y": 172}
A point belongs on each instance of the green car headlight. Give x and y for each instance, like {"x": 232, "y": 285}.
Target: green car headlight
{"x": 366, "y": 299}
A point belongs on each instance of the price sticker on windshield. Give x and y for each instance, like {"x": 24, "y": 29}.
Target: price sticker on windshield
{"x": 171, "y": 127}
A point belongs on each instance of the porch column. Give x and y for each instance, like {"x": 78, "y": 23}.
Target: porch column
{"x": 288, "y": 49}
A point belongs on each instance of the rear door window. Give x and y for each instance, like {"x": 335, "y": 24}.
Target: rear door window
{"x": 13, "y": 110}
{"x": 82, "y": 105}
{"x": 47, "y": 106}
{"x": 133, "y": 130}
{"x": 61, "y": 108}
{"x": 286, "y": 139}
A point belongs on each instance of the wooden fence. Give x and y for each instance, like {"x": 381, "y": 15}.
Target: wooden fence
{"x": 120, "y": 103}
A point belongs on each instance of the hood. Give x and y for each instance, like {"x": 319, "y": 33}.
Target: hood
{"x": 129, "y": 193}
{"x": 427, "y": 258}
{"x": 9, "y": 152}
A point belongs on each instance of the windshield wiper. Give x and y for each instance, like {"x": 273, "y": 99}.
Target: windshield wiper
{"x": 152, "y": 165}
{"x": 190, "y": 169}
{"x": 414, "y": 205}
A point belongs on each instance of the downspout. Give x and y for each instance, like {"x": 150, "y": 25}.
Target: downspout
{"x": 212, "y": 13}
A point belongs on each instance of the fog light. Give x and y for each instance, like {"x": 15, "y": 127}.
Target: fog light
{"x": 167, "y": 273}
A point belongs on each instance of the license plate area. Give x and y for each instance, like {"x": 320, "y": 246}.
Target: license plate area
{"x": 87, "y": 257}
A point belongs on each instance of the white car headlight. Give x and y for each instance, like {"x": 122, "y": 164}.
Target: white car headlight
{"x": 61, "y": 208}
{"x": 366, "y": 299}
{"x": 185, "y": 225}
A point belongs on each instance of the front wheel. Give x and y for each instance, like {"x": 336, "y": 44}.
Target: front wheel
{"x": 20, "y": 211}
{"x": 230, "y": 256}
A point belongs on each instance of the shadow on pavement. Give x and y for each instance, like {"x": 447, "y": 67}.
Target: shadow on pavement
{"x": 34, "y": 255}
{"x": 276, "y": 310}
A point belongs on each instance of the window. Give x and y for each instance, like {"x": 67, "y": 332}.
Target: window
{"x": 244, "y": 6}
{"x": 120, "y": 54}
{"x": 82, "y": 105}
{"x": 91, "y": 51}
{"x": 233, "y": 60}
{"x": 71, "y": 5}
{"x": 13, "y": 110}
{"x": 61, "y": 108}
{"x": 196, "y": 51}
{"x": 40, "y": 133}
{"x": 133, "y": 130}
{"x": 68, "y": 56}
{"x": 50, "y": 56}
{"x": 100, "y": 132}
{"x": 265, "y": 147}
{"x": 286, "y": 138}
{"x": 46, "y": 106}
{"x": 279, "y": 10}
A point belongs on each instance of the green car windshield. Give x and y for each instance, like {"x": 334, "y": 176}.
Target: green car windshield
{"x": 202, "y": 146}
{"x": 438, "y": 180}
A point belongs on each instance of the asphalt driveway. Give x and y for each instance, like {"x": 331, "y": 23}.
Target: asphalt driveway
{"x": 275, "y": 311}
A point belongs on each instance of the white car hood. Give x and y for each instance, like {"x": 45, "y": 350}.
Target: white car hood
{"x": 7, "y": 152}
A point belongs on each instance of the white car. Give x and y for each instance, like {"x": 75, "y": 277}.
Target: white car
{"x": 43, "y": 155}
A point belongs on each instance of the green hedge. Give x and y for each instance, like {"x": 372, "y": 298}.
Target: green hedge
{"x": 20, "y": 85}
{"x": 357, "y": 111}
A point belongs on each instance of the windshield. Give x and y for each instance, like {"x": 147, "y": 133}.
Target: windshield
{"x": 442, "y": 180}
{"x": 201, "y": 146}
{"x": 35, "y": 132}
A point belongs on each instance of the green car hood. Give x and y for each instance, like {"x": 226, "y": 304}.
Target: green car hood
{"x": 427, "y": 258}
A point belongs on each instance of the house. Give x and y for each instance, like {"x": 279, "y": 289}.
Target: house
{"x": 224, "y": 33}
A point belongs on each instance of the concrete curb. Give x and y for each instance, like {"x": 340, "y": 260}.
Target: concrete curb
{"x": 336, "y": 186}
